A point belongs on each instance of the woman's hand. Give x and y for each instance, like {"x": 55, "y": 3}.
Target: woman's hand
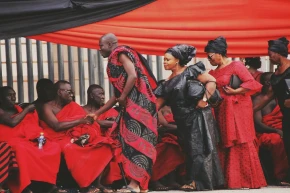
{"x": 229, "y": 90}
{"x": 201, "y": 104}
{"x": 287, "y": 103}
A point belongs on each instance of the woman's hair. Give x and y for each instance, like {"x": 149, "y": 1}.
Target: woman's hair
{"x": 218, "y": 45}
{"x": 254, "y": 62}
{"x": 182, "y": 52}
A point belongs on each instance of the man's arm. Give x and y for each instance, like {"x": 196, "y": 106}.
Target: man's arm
{"x": 258, "y": 120}
{"x": 105, "y": 123}
{"x": 6, "y": 119}
{"x": 51, "y": 120}
{"x": 131, "y": 78}
{"x": 263, "y": 101}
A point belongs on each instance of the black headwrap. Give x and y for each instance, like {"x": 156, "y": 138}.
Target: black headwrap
{"x": 279, "y": 46}
{"x": 254, "y": 62}
{"x": 218, "y": 45}
{"x": 182, "y": 52}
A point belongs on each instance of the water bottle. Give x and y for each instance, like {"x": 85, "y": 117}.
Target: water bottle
{"x": 41, "y": 141}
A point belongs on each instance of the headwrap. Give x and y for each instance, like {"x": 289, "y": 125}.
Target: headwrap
{"x": 218, "y": 45}
{"x": 279, "y": 46}
{"x": 254, "y": 62}
{"x": 182, "y": 52}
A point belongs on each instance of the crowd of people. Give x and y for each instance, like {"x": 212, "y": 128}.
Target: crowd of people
{"x": 165, "y": 135}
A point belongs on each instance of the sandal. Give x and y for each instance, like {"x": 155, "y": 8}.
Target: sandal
{"x": 58, "y": 190}
{"x": 106, "y": 190}
{"x": 284, "y": 184}
{"x": 174, "y": 186}
{"x": 189, "y": 187}
{"x": 127, "y": 189}
{"x": 94, "y": 190}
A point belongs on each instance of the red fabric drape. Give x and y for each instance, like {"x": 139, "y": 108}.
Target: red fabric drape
{"x": 151, "y": 29}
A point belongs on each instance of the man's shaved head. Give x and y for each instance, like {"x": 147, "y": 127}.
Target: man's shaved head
{"x": 108, "y": 43}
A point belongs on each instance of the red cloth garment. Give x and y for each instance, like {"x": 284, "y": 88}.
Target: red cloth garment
{"x": 235, "y": 120}
{"x": 113, "y": 171}
{"x": 34, "y": 164}
{"x": 257, "y": 75}
{"x": 8, "y": 162}
{"x": 169, "y": 154}
{"x": 85, "y": 163}
{"x": 274, "y": 143}
{"x": 241, "y": 166}
{"x": 137, "y": 123}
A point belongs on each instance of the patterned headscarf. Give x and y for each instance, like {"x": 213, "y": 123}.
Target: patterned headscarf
{"x": 182, "y": 52}
{"x": 279, "y": 46}
{"x": 218, "y": 45}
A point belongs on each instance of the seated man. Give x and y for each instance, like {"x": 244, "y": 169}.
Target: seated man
{"x": 20, "y": 128}
{"x": 268, "y": 124}
{"x": 85, "y": 150}
{"x": 96, "y": 99}
{"x": 45, "y": 93}
{"x": 169, "y": 153}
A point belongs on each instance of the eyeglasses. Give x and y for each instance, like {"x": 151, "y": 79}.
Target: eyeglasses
{"x": 210, "y": 56}
{"x": 70, "y": 92}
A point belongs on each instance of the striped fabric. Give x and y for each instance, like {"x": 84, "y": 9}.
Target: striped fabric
{"x": 7, "y": 161}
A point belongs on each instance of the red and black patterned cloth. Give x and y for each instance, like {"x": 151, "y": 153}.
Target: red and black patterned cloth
{"x": 137, "y": 124}
{"x": 7, "y": 161}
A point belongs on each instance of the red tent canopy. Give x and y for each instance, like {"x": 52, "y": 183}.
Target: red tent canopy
{"x": 246, "y": 24}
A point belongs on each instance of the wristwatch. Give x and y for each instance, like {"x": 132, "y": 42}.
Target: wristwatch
{"x": 204, "y": 99}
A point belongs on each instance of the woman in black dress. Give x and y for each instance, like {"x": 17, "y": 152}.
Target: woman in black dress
{"x": 194, "y": 119}
{"x": 280, "y": 81}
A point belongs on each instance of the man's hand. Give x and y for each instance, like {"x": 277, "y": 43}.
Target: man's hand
{"x": 287, "y": 103}
{"x": 87, "y": 120}
{"x": 122, "y": 101}
{"x": 229, "y": 90}
{"x": 201, "y": 104}
{"x": 280, "y": 132}
{"x": 30, "y": 108}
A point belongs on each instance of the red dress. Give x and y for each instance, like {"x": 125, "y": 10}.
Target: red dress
{"x": 34, "y": 164}
{"x": 137, "y": 124}
{"x": 274, "y": 143}
{"x": 169, "y": 154}
{"x": 239, "y": 158}
{"x": 85, "y": 163}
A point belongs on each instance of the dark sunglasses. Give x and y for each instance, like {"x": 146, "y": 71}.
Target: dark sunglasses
{"x": 210, "y": 56}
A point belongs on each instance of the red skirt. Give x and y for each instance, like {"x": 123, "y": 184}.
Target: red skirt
{"x": 7, "y": 161}
{"x": 242, "y": 167}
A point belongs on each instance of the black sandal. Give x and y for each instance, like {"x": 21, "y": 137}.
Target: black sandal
{"x": 127, "y": 190}
{"x": 189, "y": 187}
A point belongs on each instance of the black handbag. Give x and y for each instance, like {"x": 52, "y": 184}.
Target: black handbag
{"x": 196, "y": 90}
{"x": 235, "y": 82}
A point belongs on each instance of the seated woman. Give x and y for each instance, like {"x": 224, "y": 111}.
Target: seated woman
{"x": 169, "y": 154}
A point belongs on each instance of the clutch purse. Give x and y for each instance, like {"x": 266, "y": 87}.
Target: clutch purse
{"x": 235, "y": 82}
{"x": 82, "y": 140}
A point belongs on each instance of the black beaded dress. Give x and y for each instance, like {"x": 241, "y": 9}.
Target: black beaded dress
{"x": 197, "y": 130}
